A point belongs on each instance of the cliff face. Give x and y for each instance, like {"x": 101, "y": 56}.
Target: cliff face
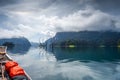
{"x": 16, "y": 45}
{"x": 86, "y": 35}
{"x": 85, "y": 38}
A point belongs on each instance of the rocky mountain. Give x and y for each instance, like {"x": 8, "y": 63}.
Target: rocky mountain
{"x": 85, "y": 38}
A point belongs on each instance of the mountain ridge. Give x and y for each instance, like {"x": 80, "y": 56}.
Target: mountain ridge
{"x": 85, "y": 38}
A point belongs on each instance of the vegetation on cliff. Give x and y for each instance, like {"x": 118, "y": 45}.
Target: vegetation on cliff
{"x": 85, "y": 39}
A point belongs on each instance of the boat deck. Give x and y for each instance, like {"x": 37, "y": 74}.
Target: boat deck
{"x": 3, "y": 59}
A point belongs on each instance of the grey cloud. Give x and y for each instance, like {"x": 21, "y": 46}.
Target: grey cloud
{"x": 57, "y": 29}
{"x": 88, "y": 19}
{"x": 65, "y": 7}
{"x": 6, "y": 22}
{"x": 38, "y": 3}
{"x": 58, "y": 15}
{"x": 60, "y": 7}
{"x": 7, "y": 2}
{"x": 3, "y": 18}
{"x": 47, "y": 7}
{"x": 25, "y": 5}
{"x": 110, "y": 6}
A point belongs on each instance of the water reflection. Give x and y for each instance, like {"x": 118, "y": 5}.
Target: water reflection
{"x": 19, "y": 49}
{"x": 87, "y": 54}
{"x": 43, "y": 65}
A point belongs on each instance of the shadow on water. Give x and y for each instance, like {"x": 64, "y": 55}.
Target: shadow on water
{"x": 19, "y": 49}
{"x": 87, "y": 53}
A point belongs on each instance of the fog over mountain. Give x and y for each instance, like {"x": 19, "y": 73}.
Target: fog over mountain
{"x": 41, "y": 19}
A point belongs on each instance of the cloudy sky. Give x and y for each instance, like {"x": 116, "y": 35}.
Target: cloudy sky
{"x": 38, "y": 19}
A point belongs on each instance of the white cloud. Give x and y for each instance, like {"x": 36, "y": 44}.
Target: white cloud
{"x": 30, "y": 24}
{"x": 8, "y": 34}
{"x": 42, "y": 21}
{"x": 88, "y": 19}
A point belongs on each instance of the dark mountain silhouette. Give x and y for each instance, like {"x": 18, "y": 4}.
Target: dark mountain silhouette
{"x": 16, "y": 45}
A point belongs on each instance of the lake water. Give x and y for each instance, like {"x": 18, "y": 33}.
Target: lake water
{"x": 70, "y": 63}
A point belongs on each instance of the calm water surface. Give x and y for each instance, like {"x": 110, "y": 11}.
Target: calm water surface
{"x": 71, "y": 64}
